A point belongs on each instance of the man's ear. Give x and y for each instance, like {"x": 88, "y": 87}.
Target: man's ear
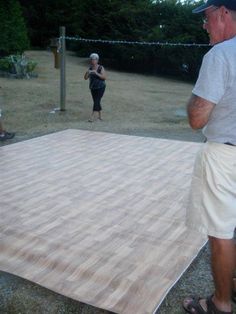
{"x": 224, "y": 11}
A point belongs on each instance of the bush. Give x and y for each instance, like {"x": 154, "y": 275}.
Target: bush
{"x": 5, "y": 64}
{"x": 18, "y": 65}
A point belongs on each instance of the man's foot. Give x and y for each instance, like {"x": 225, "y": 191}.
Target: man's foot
{"x": 6, "y": 136}
{"x": 197, "y": 305}
{"x": 90, "y": 120}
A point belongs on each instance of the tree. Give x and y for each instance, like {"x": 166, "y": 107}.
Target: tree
{"x": 13, "y": 35}
{"x": 134, "y": 20}
{"x": 45, "y": 17}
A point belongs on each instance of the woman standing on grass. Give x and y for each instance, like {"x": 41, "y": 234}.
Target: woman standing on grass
{"x": 97, "y": 85}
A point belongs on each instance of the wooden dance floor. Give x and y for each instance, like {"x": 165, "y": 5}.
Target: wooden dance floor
{"x": 98, "y": 217}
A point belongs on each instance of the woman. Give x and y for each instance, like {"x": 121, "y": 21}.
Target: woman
{"x": 97, "y": 85}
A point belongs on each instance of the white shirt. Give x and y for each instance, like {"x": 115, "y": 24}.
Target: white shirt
{"x": 217, "y": 83}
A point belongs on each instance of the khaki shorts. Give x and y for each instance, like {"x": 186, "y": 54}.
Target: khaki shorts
{"x": 211, "y": 208}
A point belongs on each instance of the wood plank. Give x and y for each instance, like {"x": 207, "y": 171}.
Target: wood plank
{"x": 98, "y": 217}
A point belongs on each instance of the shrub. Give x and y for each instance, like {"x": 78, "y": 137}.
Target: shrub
{"x": 19, "y": 65}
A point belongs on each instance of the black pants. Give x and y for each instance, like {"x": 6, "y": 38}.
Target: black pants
{"x": 97, "y": 96}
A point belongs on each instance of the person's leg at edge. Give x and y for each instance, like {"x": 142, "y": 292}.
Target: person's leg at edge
{"x": 223, "y": 264}
{"x": 1, "y": 128}
{"x": 4, "y": 135}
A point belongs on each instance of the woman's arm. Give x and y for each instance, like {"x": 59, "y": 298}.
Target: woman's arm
{"x": 86, "y": 75}
{"x": 102, "y": 75}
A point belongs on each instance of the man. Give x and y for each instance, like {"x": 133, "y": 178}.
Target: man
{"x": 212, "y": 206}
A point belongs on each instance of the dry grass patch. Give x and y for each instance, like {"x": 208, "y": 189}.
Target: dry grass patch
{"x": 133, "y": 103}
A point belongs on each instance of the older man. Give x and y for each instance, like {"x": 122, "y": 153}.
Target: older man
{"x": 212, "y": 106}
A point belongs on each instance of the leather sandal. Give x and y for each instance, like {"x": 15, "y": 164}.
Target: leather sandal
{"x": 194, "y": 306}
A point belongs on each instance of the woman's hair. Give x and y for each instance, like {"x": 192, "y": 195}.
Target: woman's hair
{"x": 94, "y": 56}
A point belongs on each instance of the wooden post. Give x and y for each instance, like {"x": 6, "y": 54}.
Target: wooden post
{"x": 54, "y": 45}
{"x": 62, "y": 68}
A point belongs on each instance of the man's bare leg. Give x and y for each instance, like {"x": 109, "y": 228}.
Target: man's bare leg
{"x": 223, "y": 263}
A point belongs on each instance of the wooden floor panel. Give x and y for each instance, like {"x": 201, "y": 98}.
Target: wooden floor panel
{"x": 98, "y": 217}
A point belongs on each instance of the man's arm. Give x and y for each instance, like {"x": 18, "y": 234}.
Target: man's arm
{"x": 199, "y": 111}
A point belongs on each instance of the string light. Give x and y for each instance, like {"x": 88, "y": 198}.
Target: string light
{"x": 126, "y": 42}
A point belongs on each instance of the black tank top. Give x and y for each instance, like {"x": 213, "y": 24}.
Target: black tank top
{"x": 96, "y": 82}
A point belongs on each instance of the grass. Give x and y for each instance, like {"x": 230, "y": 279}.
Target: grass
{"x": 133, "y": 103}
